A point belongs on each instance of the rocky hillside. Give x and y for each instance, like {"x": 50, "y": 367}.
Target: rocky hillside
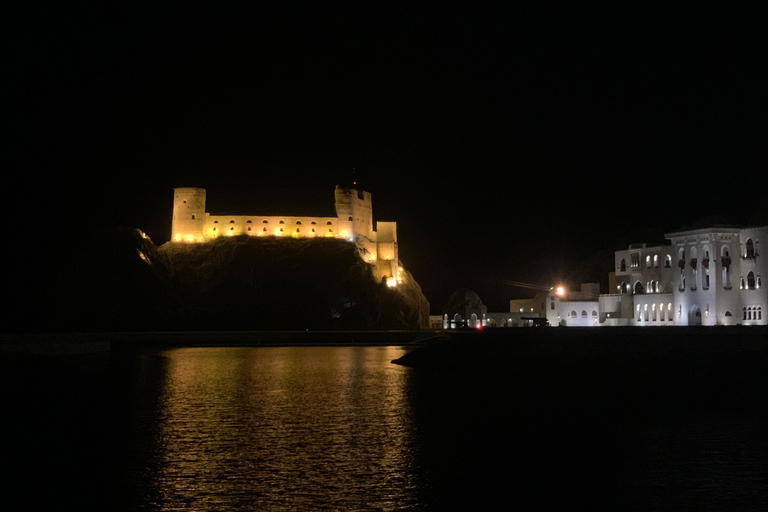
{"x": 241, "y": 283}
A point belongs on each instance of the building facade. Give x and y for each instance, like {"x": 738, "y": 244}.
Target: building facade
{"x": 353, "y": 222}
{"x": 710, "y": 276}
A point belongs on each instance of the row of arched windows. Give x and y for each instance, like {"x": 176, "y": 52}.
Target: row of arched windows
{"x": 574, "y": 315}
{"x": 650, "y": 262}
{"x": 277, "y": 232}
{"x": 702, "y": 268}
{"x": 298, "y": 222}
{"x": 752, "y": 313}
{"x": 654, "y": 313}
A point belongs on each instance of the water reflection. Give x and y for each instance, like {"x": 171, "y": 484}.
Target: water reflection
{"x": 282, "y": 428}
{"x": 341, "y": 428}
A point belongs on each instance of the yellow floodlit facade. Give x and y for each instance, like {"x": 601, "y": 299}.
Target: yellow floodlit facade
{"x": 353, "y": 222}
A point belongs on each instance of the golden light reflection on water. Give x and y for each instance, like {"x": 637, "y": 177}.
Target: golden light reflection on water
{"x": 284, "y": 428}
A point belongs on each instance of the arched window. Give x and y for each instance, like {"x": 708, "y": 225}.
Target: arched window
{"x": 750, "y": 248}
{"x": 750, "y": 281}
{"x": 583, "y": 313}
{"x": 298, "y": 223}
{"x": 694, "y": 267}
{"x": 249, "y": 222}
{"x": 639, "y": 288}
{"x": 281, "y": 222}
{"x": 594, "y": 314}
{"x": 573, "y": 314}
{"x": 350, "y": 218}
{"x": 329, "y": 223}
{"x": 623, "y": 265}
{"x": 313, "y": 222}
{"x": 648, "y": 261}
{"x": 232, "y": 222}
{"x": 759, "y": 282}
{"x": 668, "y": 261}
{"x": 655, "y": 261}
{"x": 265, "y": 229}
{"x": 193, "y": 216}
{"x": 215, "y": 222}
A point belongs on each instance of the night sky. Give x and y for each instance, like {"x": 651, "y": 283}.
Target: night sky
{"x": 510, "y": 144}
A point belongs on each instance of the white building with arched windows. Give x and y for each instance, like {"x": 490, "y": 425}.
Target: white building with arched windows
{"x": 709, "y": 276}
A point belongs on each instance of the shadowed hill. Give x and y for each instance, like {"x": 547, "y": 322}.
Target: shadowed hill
{"x": 233, "y": 283}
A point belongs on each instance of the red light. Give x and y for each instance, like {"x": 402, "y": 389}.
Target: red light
{"x": 354, "y": 183}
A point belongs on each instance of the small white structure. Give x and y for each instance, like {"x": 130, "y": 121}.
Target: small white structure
{"x": 465, "y": 310}
{"x": 576, "y": 308}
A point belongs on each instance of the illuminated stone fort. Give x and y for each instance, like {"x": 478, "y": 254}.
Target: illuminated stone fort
{"x": 353, "y": 222}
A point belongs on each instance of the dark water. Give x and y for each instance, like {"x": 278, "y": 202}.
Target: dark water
{"x": 341, "y": 428}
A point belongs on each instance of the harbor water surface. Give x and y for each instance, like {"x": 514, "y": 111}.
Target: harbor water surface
{"x": 342, "y": 428}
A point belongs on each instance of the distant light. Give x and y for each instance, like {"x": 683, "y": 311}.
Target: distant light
{"x": 560, "y": 291}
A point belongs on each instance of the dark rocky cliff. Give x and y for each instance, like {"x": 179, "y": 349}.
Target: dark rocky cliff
{"x": 241, "y": 283}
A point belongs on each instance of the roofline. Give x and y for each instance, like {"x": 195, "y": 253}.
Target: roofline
{"x": 698, "y": 231}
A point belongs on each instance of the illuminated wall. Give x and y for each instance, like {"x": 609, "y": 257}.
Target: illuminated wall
{"x": 707, "y": 266}
{"x": 297, "y": 227}
{"x": 353, "y": 222}
{"x": 189, "y": 215}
